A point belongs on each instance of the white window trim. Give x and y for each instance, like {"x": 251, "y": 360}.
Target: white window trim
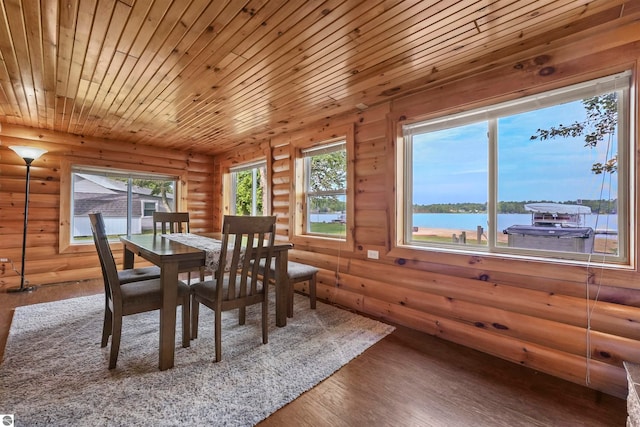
{"x": 233, "y": 164}
{"x": 308, "y": 154}
{"x": 142, "y": 208}
{"x": 232, "y": 185}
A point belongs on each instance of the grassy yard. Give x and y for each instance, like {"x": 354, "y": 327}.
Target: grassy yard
{"x": 331, "y": 228}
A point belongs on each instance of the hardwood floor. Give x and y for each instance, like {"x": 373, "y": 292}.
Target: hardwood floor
{"x": 413, "y": 379}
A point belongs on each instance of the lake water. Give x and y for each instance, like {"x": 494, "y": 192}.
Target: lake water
{"x": 469, "y": 221}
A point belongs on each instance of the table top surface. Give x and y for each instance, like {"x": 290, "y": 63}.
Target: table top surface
{"x": 160, "y": 245}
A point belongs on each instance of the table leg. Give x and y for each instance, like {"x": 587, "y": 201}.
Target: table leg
{"x": 169, "y": 280}
{"x": 128, "y": 258}
{"x": 282, "y": 285}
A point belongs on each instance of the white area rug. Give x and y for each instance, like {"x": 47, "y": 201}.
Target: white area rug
{"x": 55, "y": 373}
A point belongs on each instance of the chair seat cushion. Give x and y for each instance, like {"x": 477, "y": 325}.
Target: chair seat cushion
{"x": 295, "y": 270}
{"x": 135, "y": 274}
{"x": 207, "y": 289}
{"x": 147, "y": 294}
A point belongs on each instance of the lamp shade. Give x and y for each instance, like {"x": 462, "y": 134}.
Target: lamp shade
{"x": 30, "y": 153}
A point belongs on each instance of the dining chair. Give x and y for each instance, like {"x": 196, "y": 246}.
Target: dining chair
{"x": 174, "y": 222}
{"x": 127, "y": 275}
{"x": 236, "y": 284}
{"x": 126, "y": 298}
{"x": 171, "y": 222}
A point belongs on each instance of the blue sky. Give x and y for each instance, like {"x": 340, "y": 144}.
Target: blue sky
{"x": 450, "y": 165}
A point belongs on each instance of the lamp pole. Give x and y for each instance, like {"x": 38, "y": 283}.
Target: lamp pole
{"x": 28, "y": 154}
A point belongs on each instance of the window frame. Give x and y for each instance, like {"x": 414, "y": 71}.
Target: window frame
{"x": 144, "y": 209}
{"x": 308, "y": 154}
{"x": 298, "y": 194}
{"x": 67, "y": 168}
{"x": 626, "y": 191}
{"x": 230, "y": 191}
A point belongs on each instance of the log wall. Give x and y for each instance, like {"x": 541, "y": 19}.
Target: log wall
{"x": 45, "y": 262}
{"x": 533, "y": 313}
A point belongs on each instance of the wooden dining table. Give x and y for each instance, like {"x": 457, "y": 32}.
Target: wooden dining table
{"x": 173, "y": 257}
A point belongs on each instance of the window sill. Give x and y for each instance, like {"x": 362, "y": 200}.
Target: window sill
{"x": 484, "y": 259}
{"x": 315, "y": 241}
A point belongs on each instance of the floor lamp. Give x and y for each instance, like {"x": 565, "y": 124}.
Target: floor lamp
{"x": 28, "y": 154}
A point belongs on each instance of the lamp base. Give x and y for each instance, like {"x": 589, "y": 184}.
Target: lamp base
{"x": 22, "y": 289}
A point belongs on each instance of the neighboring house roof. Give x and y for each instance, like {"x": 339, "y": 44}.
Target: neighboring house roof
{"x": 103, "y": 184}
{"x": 108, "y": 204}
{"x": 101, "y": 194}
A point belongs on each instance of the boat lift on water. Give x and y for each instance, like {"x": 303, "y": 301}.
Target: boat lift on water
{"x": 554, "y": 226}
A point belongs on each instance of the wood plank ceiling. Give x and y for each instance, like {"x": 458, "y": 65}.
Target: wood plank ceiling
{"x": 206, "y": 76}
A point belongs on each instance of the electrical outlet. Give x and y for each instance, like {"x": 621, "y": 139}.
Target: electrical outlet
{"x": 372, "y": 254}
{"x": 4, "y": 260}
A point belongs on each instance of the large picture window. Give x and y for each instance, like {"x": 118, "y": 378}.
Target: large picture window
{"x": 544, "y": 176}
{"x": 126, "y": 200}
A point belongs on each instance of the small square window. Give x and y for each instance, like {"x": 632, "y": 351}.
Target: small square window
{"x": 323, "y": 193}
{"x": 248, "y": 192}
